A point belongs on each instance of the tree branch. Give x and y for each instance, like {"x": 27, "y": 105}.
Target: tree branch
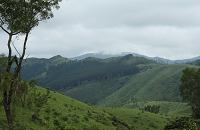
{"x": 16, "y": 49}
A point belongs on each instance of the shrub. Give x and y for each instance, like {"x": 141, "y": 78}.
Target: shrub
{"x": 47, "y": 118}
{"x": 153, "y": 125}
{"x": 18, "y": 126}
{"x": 48, "y": 110}
{"x": 152, "y": 109}
{"x": 124, "y": 124}
{"x": 76, "y": 120}
{"x": 182, "y": 123}
{"x": 114, "y": 118}
{"x": 56, "y": 122}
{"x": 65, "y": 118}
{"x": 86, "y": 118}
{"x": 54, "y": 98}
{"x": 66, "y": 105}
{"x": 56, "y": 113}
{"x": 89, "y": 113}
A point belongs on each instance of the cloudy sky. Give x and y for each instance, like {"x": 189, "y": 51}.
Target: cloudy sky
{"x": 165, "y": 28}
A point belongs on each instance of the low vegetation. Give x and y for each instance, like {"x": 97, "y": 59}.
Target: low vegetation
{"x": 125, "y": 102}
{"x": 63, "y": 112}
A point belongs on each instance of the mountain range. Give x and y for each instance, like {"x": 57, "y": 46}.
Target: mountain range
{"x": 113, "y": 81}
{"x": 103, "y": 55}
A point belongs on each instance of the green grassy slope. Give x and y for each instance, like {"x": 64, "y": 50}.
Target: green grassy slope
{"x": 140, "y": 120}
{"x": 94, "y": 92}
{"x": 160, "y": 83}
{"x": 169, "y": 108}
{"x": 79, "y": 116}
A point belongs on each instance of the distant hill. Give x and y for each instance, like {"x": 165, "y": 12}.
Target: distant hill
{"x": 53, "y": 72}
{"x": 155, "y": 83}
{"x": 107, "y": 82}
{"x": 102, "y": 55}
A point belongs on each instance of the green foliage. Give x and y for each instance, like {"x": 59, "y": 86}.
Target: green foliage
{"x": 56, "y": 113}
{"x": 37, "y": 101}
{"x": 190, "y": 89}
{"x": 86, "y": 118}
{"x": 114, "y": 118}
{"x": 155, "y": 84}
{"x": 66, "y": 105}
{"x": 3, "y": 63}
{"x": 18, "y": 126}
{"x": 65, "y": 118}
{"x": 101, "y": 118}
{"x": 48, "y": 110}
{"x": 153, "y": 125}
{"x": 152, "y": 109}
{"x": 182, "y": 123}
{"x": 89, "y": 113}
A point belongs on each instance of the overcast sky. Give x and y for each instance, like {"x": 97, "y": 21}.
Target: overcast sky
{"x": 165, "y": 28}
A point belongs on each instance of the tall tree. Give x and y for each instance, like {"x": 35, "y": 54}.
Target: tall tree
{"x": 19, "y": 17}
{"x": 190, "y": 89}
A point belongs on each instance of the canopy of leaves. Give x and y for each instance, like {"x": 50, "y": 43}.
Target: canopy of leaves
{"x": 20, "y": 16}
{"x": 3, "y": 63}
{"x": 190, "y": 86}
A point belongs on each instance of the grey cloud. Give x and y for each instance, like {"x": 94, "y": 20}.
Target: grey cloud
{"x": 165, "y": 28}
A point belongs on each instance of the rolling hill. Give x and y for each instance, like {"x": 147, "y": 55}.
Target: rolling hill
{"x": 107, "y": 82}
{"x": 71, "y": 114}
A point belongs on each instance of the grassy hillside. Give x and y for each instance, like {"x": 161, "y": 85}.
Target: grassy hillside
{"x": 160, "y": 83}
{"x": 80, "y": 116}
{"x": 169, "y": 108}
{"x": 155, "y": 82}
{"x": 114, "y": 81}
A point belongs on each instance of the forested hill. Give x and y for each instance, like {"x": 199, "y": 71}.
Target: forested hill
{"x": 58, "y": 72}
{"x": 107, "y": 82}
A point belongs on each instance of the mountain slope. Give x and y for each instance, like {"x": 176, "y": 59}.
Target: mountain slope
{"x": 59, "y": 74}
{"x": 73, "y": 114}
{"x": 103, "y": 55}
{"x": 160, "y": 83}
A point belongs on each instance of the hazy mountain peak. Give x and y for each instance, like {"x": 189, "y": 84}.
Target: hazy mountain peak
{"x": 126, "y": 57}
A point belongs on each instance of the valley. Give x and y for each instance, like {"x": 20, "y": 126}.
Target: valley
{"x": 96, "y": 94}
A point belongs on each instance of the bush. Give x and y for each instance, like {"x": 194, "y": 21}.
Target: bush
{"x": 153, "y": 125}
{"x": 47, "y": 118}
{"x": 182, "y": 123}
{"x": 48, "y": 110}
{"x": 86, "y": 118}
{"x": 66, "y": 105}
{"x": 56, "y": 113}
{"x": 152, "y": 109}
{"x": 65, "y": 118}
{"x": 89, "y": 113}
{"x": 114, "y": 118}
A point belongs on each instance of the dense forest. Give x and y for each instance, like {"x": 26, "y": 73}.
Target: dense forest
{"x": 76, "y": 72}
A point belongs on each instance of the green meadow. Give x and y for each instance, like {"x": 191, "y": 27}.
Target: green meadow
{"x": 80, "y": 116}
{"x": 100, "y": 94}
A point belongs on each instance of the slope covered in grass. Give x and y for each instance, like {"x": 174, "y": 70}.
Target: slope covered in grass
{"x": 157, "y": 84}
{"x": 77, "y": 115}
{"x": 169, "y": 108}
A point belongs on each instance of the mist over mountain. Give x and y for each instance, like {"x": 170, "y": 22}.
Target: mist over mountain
{"x": 103, "y": 55}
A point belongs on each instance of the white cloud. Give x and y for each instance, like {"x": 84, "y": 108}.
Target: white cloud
{"x": 167, "y": 28}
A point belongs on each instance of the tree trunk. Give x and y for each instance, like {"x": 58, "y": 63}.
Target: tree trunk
{"x": 7, "y": 109}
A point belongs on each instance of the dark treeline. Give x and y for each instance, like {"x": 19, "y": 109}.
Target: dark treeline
{"x": 76, "y": 73}
{"x": 30, "y": 71}
{"x": 196, "y": 62}
{"x": 71, "y": 73}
